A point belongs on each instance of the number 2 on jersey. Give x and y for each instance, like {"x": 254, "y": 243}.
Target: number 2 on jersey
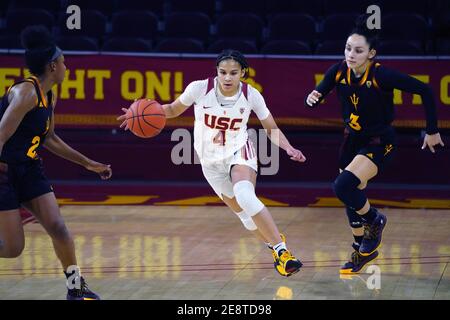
{"x": 35, "y": 143}
{"x": 219, "y": 138}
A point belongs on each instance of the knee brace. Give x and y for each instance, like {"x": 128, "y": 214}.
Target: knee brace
{"x": 247, "y": 221}
{"x": 354, "y": 219}
{"x": 346, "y": 189}
{"x": 244, "y": 191}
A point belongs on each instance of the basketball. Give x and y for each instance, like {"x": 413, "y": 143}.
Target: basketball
{"x": 145, "y": 118}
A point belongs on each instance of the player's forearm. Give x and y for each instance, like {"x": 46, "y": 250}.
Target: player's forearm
{"x": 3, "y": 137}
{"x": 325, "y": 86}
{"x": 173, "y": 110}
{"x": 168, "y": 111}
{"x": 391, "y": 79}
{"x": 278, "y": 138}
{"x": 430, "y": 112}
{"x": 58, "y": 147}
{"x": 426, "y": 93}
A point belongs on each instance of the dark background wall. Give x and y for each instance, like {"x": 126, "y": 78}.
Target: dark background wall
{"x": 133, "y": 158}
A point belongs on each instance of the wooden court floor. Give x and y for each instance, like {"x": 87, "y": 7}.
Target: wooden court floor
{"x": 184, "y": 253}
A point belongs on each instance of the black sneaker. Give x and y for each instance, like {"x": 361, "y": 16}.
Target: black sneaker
{"x": 357, "y": 261}
{"x": 84, "y": 293}
{"x": 372, "y": 235}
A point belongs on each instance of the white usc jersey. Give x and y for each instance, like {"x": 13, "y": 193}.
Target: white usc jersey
{"x": 220, "y": 129}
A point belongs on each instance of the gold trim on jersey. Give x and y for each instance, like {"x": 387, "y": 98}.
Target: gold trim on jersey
{"x": 43, "y": 97}
{"x": 374, "y": 81}
{"x": 24, "y": 80}
{"x": 338, "y": 75}
{"x": 364, "y": 77}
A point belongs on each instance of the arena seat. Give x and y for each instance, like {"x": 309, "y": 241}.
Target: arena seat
{"x": 181, "y": 45}
{"x": 245, "y": 46}
{"x": 187, "y": 25}
{"x": 18, "y": 19}
{"x": 286, "y": 47}
{"x": 141, "y": 24}
{"x": 78, "y": 43}
{"x": 127, "y": 45}
{"x": 292, "y": 26}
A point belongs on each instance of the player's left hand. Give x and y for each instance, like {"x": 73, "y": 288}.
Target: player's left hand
{"x": 431, "y": 141}
{"x": 296, "y": 155}
{"x": 104, "y": 170}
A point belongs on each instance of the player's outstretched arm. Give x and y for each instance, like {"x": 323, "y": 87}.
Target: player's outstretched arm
{"x": 174, "y": 109}
{"x": 56, "y": 145}
{"x": 279, "y": 139}
{"x": 323, "y": 88}
{"x": 390, "y": 79}
{"x": 171, "y": 110}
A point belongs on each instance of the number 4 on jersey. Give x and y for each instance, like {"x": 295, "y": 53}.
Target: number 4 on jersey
{"x": 219, "y": 138}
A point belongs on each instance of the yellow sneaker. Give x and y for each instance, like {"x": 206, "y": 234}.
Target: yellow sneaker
{"x": 277, "y": 266}
{"x": 274, "y": 254}
{"x": 287, "y": 264}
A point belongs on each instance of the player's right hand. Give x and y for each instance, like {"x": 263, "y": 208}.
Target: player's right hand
{"x": 313, "y": 98}
{"x": 123, "y": 118}
{"x": 104, "y": 170}
{"x": 295, "y": 154}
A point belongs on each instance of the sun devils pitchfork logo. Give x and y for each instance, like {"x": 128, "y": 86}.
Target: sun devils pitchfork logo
{"x": 355, "y": 100}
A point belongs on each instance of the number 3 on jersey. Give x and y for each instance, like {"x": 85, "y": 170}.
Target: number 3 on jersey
{"x": 219, "y": 138}
{"x": 354, "y": 122}
{"x": 35, "y": 143}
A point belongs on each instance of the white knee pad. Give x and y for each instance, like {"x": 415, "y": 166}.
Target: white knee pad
{"x": 244, "y": 191}
{"x": 247, "y": 221}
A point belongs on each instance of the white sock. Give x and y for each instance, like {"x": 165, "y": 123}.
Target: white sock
{"x": 279, "y": 246}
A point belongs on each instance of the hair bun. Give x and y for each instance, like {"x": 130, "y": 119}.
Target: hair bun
{"x": 361, "y": 20}
{"x": 35, "y": 37}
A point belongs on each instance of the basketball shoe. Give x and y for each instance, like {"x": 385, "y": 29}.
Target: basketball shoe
{"x": 372, "y": 235}
{"x": 84, "y": 293}
{"x": 284, "y": 262}
{"x": 357, "y": 261}
{"x": 275, "y": 257}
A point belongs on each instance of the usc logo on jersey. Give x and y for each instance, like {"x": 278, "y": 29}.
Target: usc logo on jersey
{"x": 221, "y": 123}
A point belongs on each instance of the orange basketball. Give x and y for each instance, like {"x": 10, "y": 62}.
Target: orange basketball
{"x": 146, "y": 118}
